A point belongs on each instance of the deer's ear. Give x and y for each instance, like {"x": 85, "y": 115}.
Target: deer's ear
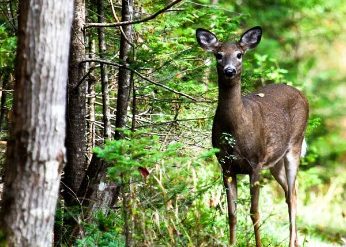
{"x": 207, "y": 40}
{"x": 251, "y": 38}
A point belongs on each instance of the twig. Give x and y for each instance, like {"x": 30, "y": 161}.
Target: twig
{"x": 124, "y": 23}
{"x": 139, "y": 75}
{"x": 84, "y": 77}
{"x": 213, "y": 6}
{"x": 175, "y": 121}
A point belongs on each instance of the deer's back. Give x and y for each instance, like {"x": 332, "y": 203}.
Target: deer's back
{"x": 281, "y": 93}
{"x": 279, "y": 104}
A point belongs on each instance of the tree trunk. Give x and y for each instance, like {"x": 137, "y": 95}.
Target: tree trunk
{"x": 96, "y": 191}
{"x": 91, "y": 136}
{"x": 36, "y": 151}
{"x": 104, "y": 74}
{"x": 124, "y": 79}
{"x": 127, "y": 189}
{"x": 124, "y": 89}
{"x": 76, "y": 109}
{"x": 3, "y": 108}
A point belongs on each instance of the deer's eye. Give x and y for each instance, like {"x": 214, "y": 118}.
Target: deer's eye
{"x": 239, "y": 55}
{"x": 218, "y": 56}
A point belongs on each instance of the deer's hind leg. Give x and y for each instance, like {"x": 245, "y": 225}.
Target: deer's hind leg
{"x": 292, "y": 159}
{"x": 279, "y": 173}
{"x": 254, "y": 212}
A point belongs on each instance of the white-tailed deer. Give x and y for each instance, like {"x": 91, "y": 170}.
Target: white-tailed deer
{"x": 267, "y": 127}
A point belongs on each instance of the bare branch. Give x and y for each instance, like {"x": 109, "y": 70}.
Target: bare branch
{"x": 117, "y": 19}
{"x": 175, "y": 121}
{"x": 124, "y": 23}
{"x": 84, "y": 77}
{"x": 139, "y": 75}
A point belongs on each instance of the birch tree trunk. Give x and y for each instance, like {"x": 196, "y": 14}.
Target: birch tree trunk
{"x": 91, "y": 135}
{"x": 76, "y": 142}
{"x": 36, "y": 151}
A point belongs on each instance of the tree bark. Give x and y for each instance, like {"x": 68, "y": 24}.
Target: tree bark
{"x": 91, "y": 136}
{"x": 76, "y": 109}
{"x": 36, "y": 151}
{"x": 104, "y": 74}
{"x": 96, "y": 191}
{"x": 3, "y": 109}
{"x": 124, "y": 89}
{"x": 124, "y": 79}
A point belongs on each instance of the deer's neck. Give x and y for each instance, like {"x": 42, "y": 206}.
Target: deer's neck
{"x": 230, "y": 109}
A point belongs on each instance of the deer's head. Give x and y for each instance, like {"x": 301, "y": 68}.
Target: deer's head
{"x": 229, "y": 54}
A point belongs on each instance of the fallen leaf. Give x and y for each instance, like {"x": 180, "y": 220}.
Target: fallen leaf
{"x": 144, "y": 171}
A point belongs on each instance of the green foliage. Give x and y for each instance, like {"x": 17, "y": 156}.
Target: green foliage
{"x": 7, "y": 50}
{"x": 175, "y": 205}
{"x": 105, "y": 231}
{"x": 169, "y": 46}
{"x": 3, "y": 241}
{"x": 136, "y": 150}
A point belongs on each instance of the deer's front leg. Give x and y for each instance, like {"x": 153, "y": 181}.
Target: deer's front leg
{"x": 230, "y": 182}
{"x": 254, "y": 213}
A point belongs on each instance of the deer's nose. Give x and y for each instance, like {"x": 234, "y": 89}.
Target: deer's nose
{"x": 229, "y": 71}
